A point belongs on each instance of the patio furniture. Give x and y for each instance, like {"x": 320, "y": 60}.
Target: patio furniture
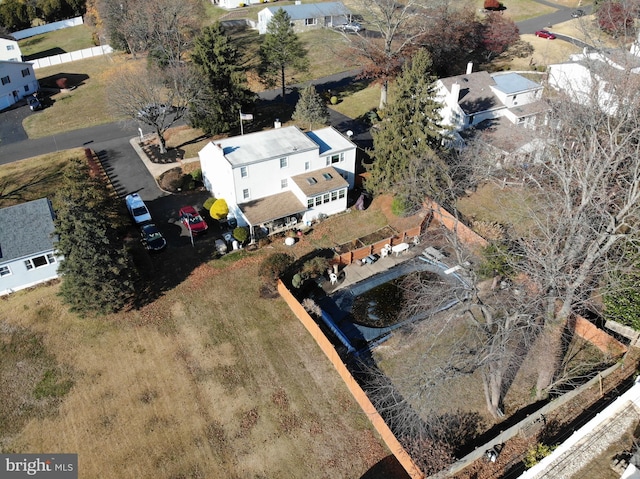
{"x": 400, "y": 248}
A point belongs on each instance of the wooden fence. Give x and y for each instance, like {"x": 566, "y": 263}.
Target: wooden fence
{"x": 453, "y": 224}
{"x": 358, "y": 393}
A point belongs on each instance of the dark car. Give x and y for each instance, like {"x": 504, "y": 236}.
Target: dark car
{"x": 34, "y": 103}
{"x": 578, "y": 13}
{"x": 152, "y": 238}
{"x": 192, "y": 220}
{"x": 545, "y": 34}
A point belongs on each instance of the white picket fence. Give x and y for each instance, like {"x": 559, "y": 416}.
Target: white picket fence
{"x": 49, "y": 27}
{"x": 71, "y": 56}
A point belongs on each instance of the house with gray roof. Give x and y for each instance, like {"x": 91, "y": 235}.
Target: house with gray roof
{"x": 474, "y": 97}
{"x": 27, "y": 255}
{"x": 307, "y": 16}
{"x": 275, "y": 179}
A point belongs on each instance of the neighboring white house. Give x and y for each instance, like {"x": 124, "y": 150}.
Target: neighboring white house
{"x": 26, "y": 245}
{"x": 17, "y": 80}
{"x": 9, "y": 49}
{"x": 474, "y": 97}
{"x": 275, "y": 179}
{"x": 307, "y": 16}
{"x": 597, "y": 74}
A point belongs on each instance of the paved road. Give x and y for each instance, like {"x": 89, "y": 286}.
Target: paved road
{"x": 561, "y": 15}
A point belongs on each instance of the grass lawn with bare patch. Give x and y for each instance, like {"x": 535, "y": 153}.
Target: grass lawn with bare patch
{"x": 84, "y": 106}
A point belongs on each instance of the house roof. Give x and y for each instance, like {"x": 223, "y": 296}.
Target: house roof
{"x": 316, "y": 182}
{"x": 272, "y": 208}
{"x": 476, "y": 89}
{"x": 26, "y": 229}
{"x": 330, "y": 140}
{"x": 513, "y": 83}
{"x": 265, "y": 145}
{"x": 501, "y": 134}
{"x": 312, "y": 10}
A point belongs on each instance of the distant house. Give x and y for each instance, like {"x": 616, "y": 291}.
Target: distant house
{"x": 9, "y": 49}
{"x": 26, "y": 245}
{"x": 596, "y": 75}
{"x": 474, "y": 97}
{"x": 307, "y": 16}
{"x": 275, "y": 179}
{"x": 17, "y": 80}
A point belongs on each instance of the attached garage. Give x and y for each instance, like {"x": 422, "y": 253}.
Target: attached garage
{"x": 6, "y": 101}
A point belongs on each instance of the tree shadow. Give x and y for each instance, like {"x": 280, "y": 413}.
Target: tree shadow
{"x": 73, "y": 80}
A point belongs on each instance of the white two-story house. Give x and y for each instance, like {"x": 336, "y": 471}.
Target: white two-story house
{"x": 17, "y": 80}
{"x": 9, "y": 49}
{"x": 275, "y": 179}
{"x": 475, "y": 97}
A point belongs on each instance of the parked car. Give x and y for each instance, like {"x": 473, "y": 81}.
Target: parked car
{"x": 192, "y": 220}
{"x": 351, "y": 27}
{"x": 137, "y": 209}
{"x": 152, "y": 239}
{"x": 34, "y": 103}
{"x": 545, "y": 34}
{"x": 578, "y": 13}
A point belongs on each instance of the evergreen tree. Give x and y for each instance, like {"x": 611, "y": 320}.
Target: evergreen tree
{"x": 408, "y": 141}
{"x": 281, "y": 48}
{"x": 216, "y": 108}
{"x": 96, "y": 270}
{"x": 311, "y": 108}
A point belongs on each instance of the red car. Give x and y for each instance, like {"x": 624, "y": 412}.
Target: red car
{"x": 192, "y": 220}
{"x": 545, "y": 34}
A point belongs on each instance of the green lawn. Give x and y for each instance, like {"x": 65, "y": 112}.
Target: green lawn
{"x": 59, "y": 41}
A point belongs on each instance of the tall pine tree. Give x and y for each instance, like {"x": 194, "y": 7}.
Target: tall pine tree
{"x": 407, "y": 145}
{"x": 281, "y": 48}
{"x": 311, "y": 109}
{"x": 97, "y": 274}
{"x": 216, "y": 108}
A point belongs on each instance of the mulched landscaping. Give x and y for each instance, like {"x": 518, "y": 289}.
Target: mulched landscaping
{"x": 152, "y": 150}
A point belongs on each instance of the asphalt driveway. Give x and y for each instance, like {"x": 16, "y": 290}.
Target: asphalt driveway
{"x": 11, "y": 130}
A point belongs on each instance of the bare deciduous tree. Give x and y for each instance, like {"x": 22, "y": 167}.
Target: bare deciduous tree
{"x": 154, "y": 97}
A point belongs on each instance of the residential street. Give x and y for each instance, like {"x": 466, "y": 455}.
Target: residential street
{"x": 129, "y": 174}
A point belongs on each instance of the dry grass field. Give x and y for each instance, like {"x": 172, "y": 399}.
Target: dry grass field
{"x": 208, "y": 380}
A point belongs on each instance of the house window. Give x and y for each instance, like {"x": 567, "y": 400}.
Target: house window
{"x": 318, "y": 200}
{"x": 4, "y": 271}
{"x": 26, "y": 88}
{"x": 341, "y": 194}
{"x": 245, "y": 193}
{"x": 335, "y": 159}
{"x": 334, "y": 195}
{"x": 283, "y": 162}
{"x": 310, "y": 203}
{"x": 326, "y": 198}
{"x": 26, "y": 72}
{"x": 40, "y": 261}
{"x": 5, "y": 80}
{"x": 307, "y": 165}
{"x": 310, "y": 21}
{"x": 284, "y": 183}
{"x": 243, "y": 172}
{"x": 10, "y": 47}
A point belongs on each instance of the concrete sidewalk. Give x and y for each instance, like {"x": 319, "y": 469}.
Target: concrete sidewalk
{"x": 157, "y": 169}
